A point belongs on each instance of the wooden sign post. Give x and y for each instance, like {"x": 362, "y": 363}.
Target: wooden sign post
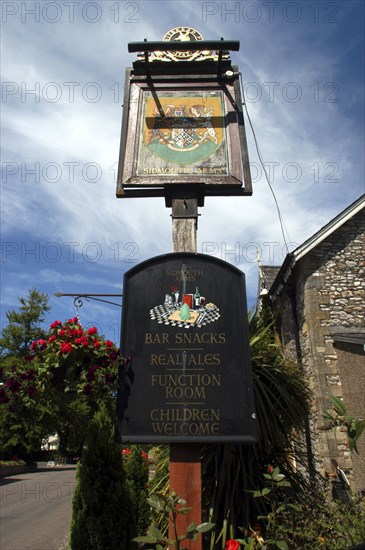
{"x": 185, "y": 459}
{"x": 189, "y": 378}
{"x": 185, "y": 480}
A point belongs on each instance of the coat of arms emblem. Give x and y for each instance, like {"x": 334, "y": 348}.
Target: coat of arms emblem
{"x": 183, "y": 129}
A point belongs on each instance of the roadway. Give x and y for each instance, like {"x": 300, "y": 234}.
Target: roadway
{"x": 35, "y": 509}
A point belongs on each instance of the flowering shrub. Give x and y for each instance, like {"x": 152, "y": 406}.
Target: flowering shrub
{"x": 71, "y": 361}
{"x": 16, "y": 382}
{"x": 57, "y": 387}
{"x": 79, "y": 358}
{"x": 126, "y": 452}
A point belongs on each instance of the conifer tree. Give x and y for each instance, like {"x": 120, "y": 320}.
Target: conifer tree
{"x": 102, "y": 515}
{"x": 25, "y": 324}
{"x": 136, "y": 468}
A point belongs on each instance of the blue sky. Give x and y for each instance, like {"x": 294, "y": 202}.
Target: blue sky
{"x": 62, "y": 67}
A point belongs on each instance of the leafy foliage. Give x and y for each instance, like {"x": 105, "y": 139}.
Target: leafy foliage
{"x": 282, "y": 405}
{"x": 355, "y": 426}
{"x": 102, "y": 514}
{"x": 313, "y": 525}
{"x": 171, "y": 506}
{"x": 323, "y": 526}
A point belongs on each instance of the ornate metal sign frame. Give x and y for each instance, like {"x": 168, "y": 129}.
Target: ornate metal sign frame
{"x": 186, "y": 129}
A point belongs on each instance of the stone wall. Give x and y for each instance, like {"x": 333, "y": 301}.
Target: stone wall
{"x": 328, "y": 285}
{"x": 351, "y": 367}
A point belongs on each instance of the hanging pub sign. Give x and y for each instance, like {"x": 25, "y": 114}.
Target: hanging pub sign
{"x": 187, "y": 376}
{"x": 182, "y": 120}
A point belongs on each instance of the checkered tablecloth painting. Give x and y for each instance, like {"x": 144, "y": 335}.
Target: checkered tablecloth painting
{"x": 161, "y": 313}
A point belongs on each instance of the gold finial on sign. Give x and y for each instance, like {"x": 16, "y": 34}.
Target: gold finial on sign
{"x": 183, "y": 34}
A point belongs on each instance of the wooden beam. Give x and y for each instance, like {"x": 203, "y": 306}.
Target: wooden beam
{"x": 175, "y": 45}
{"x": 185, "y": 480}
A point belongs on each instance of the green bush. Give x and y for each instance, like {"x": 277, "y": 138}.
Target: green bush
{"x": 6, "y": 463}
{"x": 102, "y": 515}
{"x": 315, "y": 525}
{"x": 136, "y": 469}
{"x": 323, "y": 525}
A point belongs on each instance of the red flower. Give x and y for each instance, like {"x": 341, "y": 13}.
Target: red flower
{"x": 232, "y": 544}
{"x": 66, "y": 347}
{"x": 52, "y": 338}
{"x": 84, "y": 341}
{"x": 109, "y": 343}
{"x": 97, "y": 344}
{"x": 13, "y": 385}
{"x": 126, "y": 452}
{"x": 270, "y": 469}
{"x": 92, "y": 330}
{"x": 109, "y": 378}
{"x": 31, "y": 390}
{"x": 90, "y": 376}
{"x": 144, "y": 455}
{"x": 56, "y": 324}
{"x": 76, "y": 332}
{"x": 113, "y": 355}
{"x": 3, "y": 397}
{"x": 88, "y": 389}
{"x": 29, "y": 375}
{"x": 38, "y": 344}
{"x": 62, "y": 332}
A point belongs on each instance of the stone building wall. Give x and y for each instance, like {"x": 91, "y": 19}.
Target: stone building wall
{"x": 351, "y": 364}
{"x": 329, "y": 288}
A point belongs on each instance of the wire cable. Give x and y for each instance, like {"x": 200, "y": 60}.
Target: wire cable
{"x": 281, "y": 221}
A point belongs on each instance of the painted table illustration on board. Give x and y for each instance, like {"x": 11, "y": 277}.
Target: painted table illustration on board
{"x": 184, "y": 309}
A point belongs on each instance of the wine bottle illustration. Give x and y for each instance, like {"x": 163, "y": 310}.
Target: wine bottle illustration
{"x": 197, "y": 298}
